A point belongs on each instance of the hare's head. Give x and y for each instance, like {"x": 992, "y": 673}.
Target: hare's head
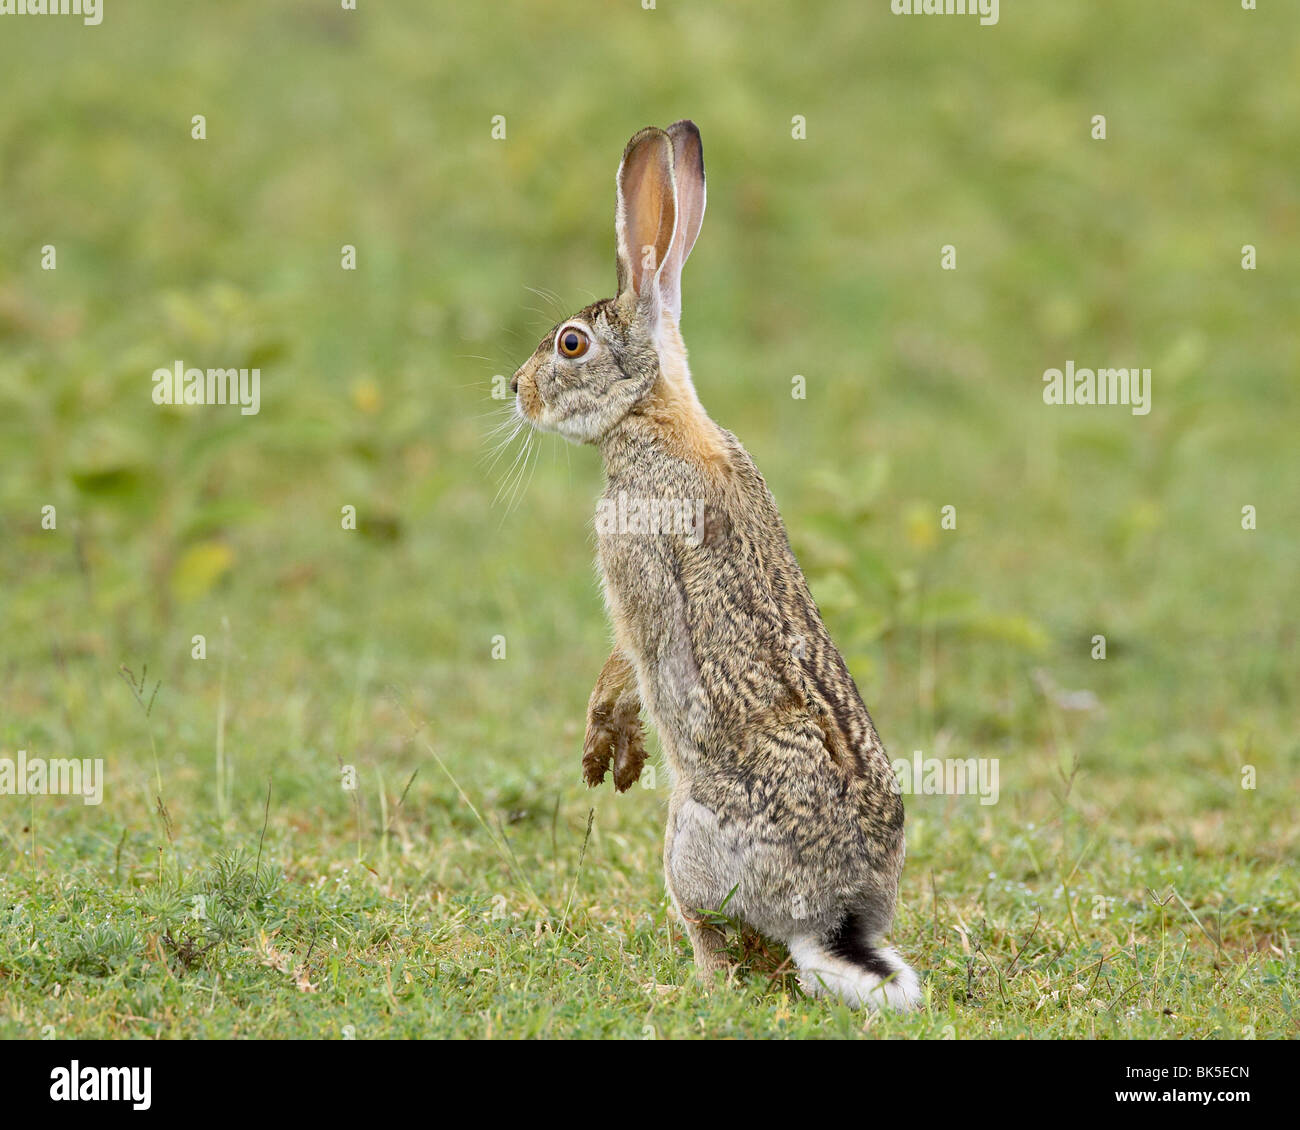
{"x": 595, "y": 367}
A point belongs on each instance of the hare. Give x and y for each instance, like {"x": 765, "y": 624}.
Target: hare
{"x": 783, "y": 806}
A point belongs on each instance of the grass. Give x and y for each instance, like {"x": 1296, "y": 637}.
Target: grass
{"x": 439, "y": 656}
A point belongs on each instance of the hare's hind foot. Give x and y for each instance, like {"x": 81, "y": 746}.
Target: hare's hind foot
{"x": 711, "y": 957}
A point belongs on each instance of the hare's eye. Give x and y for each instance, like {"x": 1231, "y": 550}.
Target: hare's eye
{"x": 572, "y": 342}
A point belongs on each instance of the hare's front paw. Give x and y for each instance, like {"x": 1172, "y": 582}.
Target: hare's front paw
{"x": 613, "y": 734}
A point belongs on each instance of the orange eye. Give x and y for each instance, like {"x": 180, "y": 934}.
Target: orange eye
{"x": 572, "y": 342}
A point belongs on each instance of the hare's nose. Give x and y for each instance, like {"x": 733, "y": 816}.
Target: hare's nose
{"x": 514, "y": 383}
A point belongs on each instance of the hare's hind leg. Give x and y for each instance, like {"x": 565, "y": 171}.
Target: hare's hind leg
{"x": 708, "y": 941}
{"x": 710, "y": 946}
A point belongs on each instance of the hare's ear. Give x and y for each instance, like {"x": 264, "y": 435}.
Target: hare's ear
{"x": 647, "y": 213}
{"x": 688, "y": 176}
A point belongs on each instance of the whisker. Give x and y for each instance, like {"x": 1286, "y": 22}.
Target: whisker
{"x": 507, "y": 418}
{"x": 550, "y": 296}
{"x": 521, "y": 455}
{"x": 526, "y": 475}
{"x": 537, "y": 458}
{"x": 539, "y": 313}
{"x": 500, "y": 437}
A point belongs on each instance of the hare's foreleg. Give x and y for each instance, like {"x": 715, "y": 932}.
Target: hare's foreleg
{"x": 614, "y": 731}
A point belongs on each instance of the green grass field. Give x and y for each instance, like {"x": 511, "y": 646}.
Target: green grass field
{"x": 1126, "y": 884}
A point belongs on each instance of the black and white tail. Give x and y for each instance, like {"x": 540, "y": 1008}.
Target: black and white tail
{"x": 855, "y": 968}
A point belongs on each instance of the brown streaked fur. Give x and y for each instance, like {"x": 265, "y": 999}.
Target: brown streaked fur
{"x": 783, "y": 806}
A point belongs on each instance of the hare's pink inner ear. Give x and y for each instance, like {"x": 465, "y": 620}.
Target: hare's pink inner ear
{"x": 688, "y": 178}
{"x": 647, "y": 211}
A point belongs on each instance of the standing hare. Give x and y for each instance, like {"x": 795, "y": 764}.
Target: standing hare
{"x": 784, "y": 808}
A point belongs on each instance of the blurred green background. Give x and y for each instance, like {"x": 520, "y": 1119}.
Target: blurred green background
{"x": 818, "y": 257}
